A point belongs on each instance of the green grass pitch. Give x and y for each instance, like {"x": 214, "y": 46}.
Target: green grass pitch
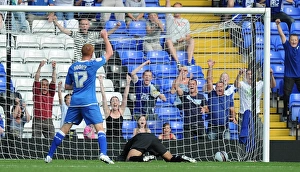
{"x": 153, "y": 166}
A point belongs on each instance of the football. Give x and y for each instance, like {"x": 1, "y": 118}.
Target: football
{"x": 221, "y": 156}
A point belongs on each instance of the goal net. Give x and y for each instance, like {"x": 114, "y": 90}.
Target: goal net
{"x": 233, "y": 44}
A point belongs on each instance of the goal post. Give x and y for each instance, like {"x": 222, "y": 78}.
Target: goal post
{"x": 222, "y": 41}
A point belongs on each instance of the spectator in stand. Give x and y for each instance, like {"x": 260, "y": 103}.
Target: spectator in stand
{"x": 154, "y": 28}
{"x": 114, "y": 115}
{"x": 19, "y": 116}
{"x": 178, "y": 34}
{"x": 181, "y": 81}
{"x": 39, "y": 15}
{"x": 224, "y": 77}
{"x": 112, "y": 3}
{"x": 87, "y": 3}
{"x": 64, "y": 104}
{"x": 83, "y": 36}
{"x": 146, "y": 93}
{"x": 142, "y": 126}
{"x": 81, "y": 79}
{"x": 89, "y": 132}
{"x": 18, "y": 19}
{"x": 64, "y": 15}
{"x": 194, "y": 107}
{"x": 291, "y": 66}
{"x": 277, "y": 13}
{"x": 167, "y": 135}
{"x": 43, "y": 96}
{"x": 134, "y": 16}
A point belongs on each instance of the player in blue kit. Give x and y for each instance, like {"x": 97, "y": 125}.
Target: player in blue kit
{"x": 81, "y": 79}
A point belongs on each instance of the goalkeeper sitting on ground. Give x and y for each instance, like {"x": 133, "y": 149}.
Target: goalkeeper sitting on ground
{"x": 147, "y": 142}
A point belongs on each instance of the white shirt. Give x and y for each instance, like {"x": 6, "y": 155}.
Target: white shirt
{"x": 177, "y": 28}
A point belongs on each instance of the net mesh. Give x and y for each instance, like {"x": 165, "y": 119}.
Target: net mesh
{"x": 233, "y": 44}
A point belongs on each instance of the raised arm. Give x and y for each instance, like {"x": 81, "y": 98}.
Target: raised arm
{"x": 133, "y": 73}
{"x": 60, "y": 27}
{"x": 104, "y": 101}
{"x": 237, "y": 80}
{"x": 125, "y": 94}
{"x": 281, "y": 34}
{"x": 59, "y": 89}
{"x": 53, "y": 72}
{"x": 108, "y": 48}
{"x": 38, "y": 72}
{"x": 273, "y": 81}
{"x": 111, "y": 31}
{"x": 168, "y": 4}
{"x": 208, "y": 87}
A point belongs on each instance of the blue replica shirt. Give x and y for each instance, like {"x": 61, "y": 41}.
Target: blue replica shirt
{"x": 219, "y": 108}
{"x": 292, "y": 60}
{"x": 82, "y": 75}
{"x": 145, "y": 97}
{"x": 192, "y": 108}
{"x": 275, "y": 5}
{"x": 40, "y": 3}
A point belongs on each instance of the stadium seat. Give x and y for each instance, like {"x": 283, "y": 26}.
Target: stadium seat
{"x": 128, "y": 128}
{"x": 168, "y": 113}
{"x": 3, "y": 40}
{"x": 51, "y": 42}
{"x": 177, "y": 128}
{"x": 294, "y": 105}
{"x": 34, "y": 55}
{"x": 111, "y": 24}
{"x": 59, "y": 55}
{"x": 123, "y": 43}
{"x": 57, "y": 31}
{"x": 247, "y": 27}
{"x": 20, "y": 70}
{"x": 27, "y": 41}
{"x": 170, "y": 100}
{"x": 233, "y": 130}
{"x": 46, "y": 70}
{"x": 137, "y": 28}
{"x": 42, "y": 26}
{"x": 196, "y": 71}
{"x": 284, "y": 27}
{"x": 158, "y": 57}
{"x": 131, "y": 57}
{"x": 155, "y": 126}
{"x": 101, "y": 71}
{"x": 183, "y": 58}
{"x": 200, "y": 83}
{"x": 23, "y": 84}
{"x": 259, "y": 41}
{"x": 276, "y": 57}
{"x": 127, "y": 114}
{"x": 16, "y": 56}
{"x": 3, "y": 56}
{"x": 294, "y": 12}
{"x": 278, "y": 70}
{"x": 107, "y": 84}
{"x": 259, "y": 27}
{"x": 164, "y": 70}
{"x": 295, "y": 27}
{"x": 72, "y": 24}
{"x": 62, "y": 70}
{"x": 109, "y": 95}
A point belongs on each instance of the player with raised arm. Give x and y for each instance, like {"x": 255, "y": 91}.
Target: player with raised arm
{"x": 81, "y": 79}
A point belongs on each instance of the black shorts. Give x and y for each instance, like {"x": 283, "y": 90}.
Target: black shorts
{"x": 144, "y": 142}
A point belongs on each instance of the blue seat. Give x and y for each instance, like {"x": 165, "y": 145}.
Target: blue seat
{"x": 284, "y": 27}
{"x": 177, "y": 128}
{"x": 183, "y": 58}
{"x": 247, "y": 40}
{"x": 279, "y": 87}
{"x": 131, "y": 67}
{"x": 200, "y": 83}
{"x": 158, "y": 57}
{"x": 259, "y": 55}
{"x": 196, "y": 71}
{"x": 168, "y": 114}
{"x": 276, "y": 57}
{"x": 137, "y": 28}
{"x": 128, "y": 128}
{"x": 259, "y": 41}
{"x": 155, "y": 126}
{"x": 164, "y": 70}
{"x": 131, "y": 57}
{"x": 170, "y": 100}
{"x": 111, "y": 24}
{"x": 123, "y": 42}
{"x": 295, "y": 27}
{"x": 247, "y": 27}
{"x": 294, "y": 12}
{"x": 259, "y": 27}
{"x": 294, "y": 105}
{"x": 278, "y": 70}
{"x": 233, "y": 130}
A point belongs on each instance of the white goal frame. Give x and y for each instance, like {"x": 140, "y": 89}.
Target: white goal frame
{"x": 200, "y": 10}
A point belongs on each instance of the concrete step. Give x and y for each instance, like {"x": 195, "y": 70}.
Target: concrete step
{"x": 205, "y": 18}
{"x": 279, "y": 132}
{"x": 224, "y": 66}
{"x": 282, "y": 138}
{"x": 220, "y": 57}
{"x": 278, "y": 125}
{"x": 207, "y": 43}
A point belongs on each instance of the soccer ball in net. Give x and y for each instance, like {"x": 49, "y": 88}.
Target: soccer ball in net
{"x": 221, "y": 156}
